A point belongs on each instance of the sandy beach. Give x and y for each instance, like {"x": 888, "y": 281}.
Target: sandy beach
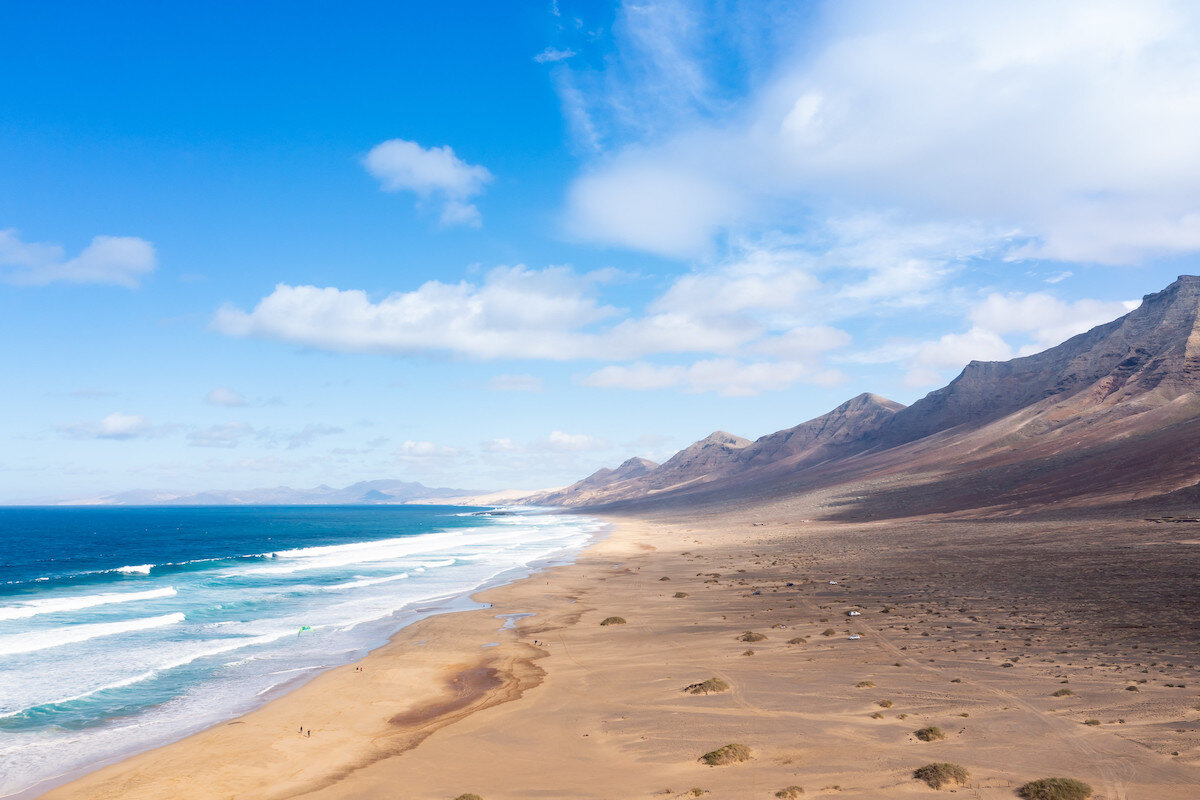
{"x": 1025, "y": 676}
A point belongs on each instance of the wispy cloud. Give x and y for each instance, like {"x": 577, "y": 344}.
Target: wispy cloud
{"x": 117, "y": 426}
{"x": 1068, "y": 122}
{"x": 113, "y": 260}
{"x": 431, "y": 173}
{"x": 223, "y": 396}
{"x": 553, "y": 54}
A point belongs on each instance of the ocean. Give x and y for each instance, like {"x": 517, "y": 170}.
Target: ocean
{"x": 124, "y": 628}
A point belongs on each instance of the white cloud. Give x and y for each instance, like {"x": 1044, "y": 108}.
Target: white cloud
{"x": 1032, "y": 322}
{"x": 515, "y": 313}
{"x": 116, "y": 425}
{"x": 434, "y": 172}
{"x": 222, "y": 396}
{"x": 303, "y": 437}
{"x": 229, "y": 434}
{"x": 727, "y": 377}
{"x": 113, "y": 260}
{"x": 650, "y": 204}
{"x": 561, "y": 442}
{"x": 502, "y": 445}
{"x": 515, "y": 383}
{"x": 1044, "y": 318}
{"x": 553, "y": 54}
{"x": 1070, "y": 122}
{"x": 424, "y": 451}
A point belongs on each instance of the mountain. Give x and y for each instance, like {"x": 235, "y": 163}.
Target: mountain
{"x": 1109, "y": 415}
{"x": 363, "y": 493}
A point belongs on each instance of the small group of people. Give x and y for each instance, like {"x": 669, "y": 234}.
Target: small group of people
{"x": 306, "y": 734}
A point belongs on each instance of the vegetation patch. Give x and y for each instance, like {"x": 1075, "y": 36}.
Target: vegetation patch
{"x": 468, "y": 796}
{"x": 1055, "y": 789}
{"x": 790, "y": 793}
{"x": 884, "y": 703}
{"x": 681, "y": 594}
{"x": 751, "y": 636}
{"x": 729, "y": 754}
{"x": 710, "y": 686}
{"x": 613, "y": 621}
{"x": 828, "y": 632}
{"x": 941, "y": 774}
{"x": 1063, "y": 693}
{"x": 864, "y": 685}
{"x": 930, "y": 734}
{"x": 1091, "y": 722}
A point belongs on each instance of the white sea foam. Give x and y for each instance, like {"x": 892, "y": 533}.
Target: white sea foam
{"x": 136, "y": 569}
{"x": 341, "y": 587}
{"x": 32, "y": 641}
{"x": 379, "y": 550}
{"x": 244, "y": 617}
{"x": 52, "y": 605}
{"x": 145, "y": 676}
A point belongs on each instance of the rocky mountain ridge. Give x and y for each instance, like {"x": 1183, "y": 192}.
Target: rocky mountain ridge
{"x": 1125, "y": 392}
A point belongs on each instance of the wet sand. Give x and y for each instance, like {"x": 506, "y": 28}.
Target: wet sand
{"x": 969, "y": 626}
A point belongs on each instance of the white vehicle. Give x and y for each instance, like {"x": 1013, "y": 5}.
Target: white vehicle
{"x": 853, "y": 613}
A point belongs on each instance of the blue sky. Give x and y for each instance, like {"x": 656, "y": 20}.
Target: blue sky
{"x": 491, "y": 245}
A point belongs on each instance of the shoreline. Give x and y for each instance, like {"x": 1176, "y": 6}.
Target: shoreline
{"x": 562, "y": 706}
{"x": 454, "y": 603}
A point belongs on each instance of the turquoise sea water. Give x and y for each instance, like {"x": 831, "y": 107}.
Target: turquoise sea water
{"x": 121, "y": 628}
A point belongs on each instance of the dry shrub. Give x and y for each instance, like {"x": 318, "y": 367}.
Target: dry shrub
{"x": 940, "y": 774}
{"x": 751, "y": 636}
{"x": 729, "y": 754}
{"x": 790, "y": 793}
{"x": 613, "y": 621}
{"x": 930, "y": 734}
{"x": 1055, "y": 789}
{"x": 710, "y": 686}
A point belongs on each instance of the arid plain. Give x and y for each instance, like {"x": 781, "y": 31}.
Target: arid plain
{"x": 1029, "y": 667}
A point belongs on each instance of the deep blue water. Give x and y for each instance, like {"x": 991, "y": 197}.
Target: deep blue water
{"x": 121, "y": 628}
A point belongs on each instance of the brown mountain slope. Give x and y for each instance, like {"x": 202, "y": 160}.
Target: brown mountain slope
{"x": 1109, "y": 415}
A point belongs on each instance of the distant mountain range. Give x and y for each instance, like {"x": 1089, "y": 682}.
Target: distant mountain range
{"x": 1111, "y": 415}
{"x": 380, "y": 492}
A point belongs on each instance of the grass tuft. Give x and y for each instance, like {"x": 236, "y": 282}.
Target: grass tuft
{"x": 884, "y": 703}
{"x": 930, "y": 734}
{"x": 828, "y": 632}
{"x": 468, "y": 796}
{"x": 1063, "y": 693}
{"x": 798, "y": 640}
{"x": 864, "y": 685}
{"x": 710, "y": 686}
{"x": 1055, "y": 789}
{"x": 790, "y": 793}
{"x": 681, "y": 594}
{"x": 613, "y": 621}
{"x": 751, "y": 636}
{"x": 729, "y": 754}
{"x": 941, "y": 774}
